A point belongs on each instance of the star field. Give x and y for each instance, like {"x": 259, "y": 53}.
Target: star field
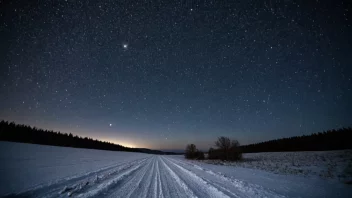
{"x": 160, "y": 74}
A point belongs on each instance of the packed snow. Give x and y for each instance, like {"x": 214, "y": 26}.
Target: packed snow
{"x": 45, "y": 171}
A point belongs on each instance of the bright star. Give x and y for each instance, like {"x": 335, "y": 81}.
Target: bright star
{"x": 110, "y": 124}
{"x": 125, "y": 46}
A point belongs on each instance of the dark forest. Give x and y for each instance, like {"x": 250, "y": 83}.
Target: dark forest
{"x": 329, "y": 140}
{"x": 10, "y": 131}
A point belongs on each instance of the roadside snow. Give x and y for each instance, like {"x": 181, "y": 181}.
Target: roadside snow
{"x": 24, "y": 166}
{"x": 248, "y": 179}
{"x": 336, "y": 165}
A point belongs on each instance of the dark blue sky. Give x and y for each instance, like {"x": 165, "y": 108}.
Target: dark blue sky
{"x": 161, "y": 74}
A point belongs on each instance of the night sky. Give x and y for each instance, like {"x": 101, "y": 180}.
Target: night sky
{"x": 161, "y": 74}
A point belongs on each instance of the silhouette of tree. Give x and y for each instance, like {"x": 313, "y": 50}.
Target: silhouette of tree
{"x": 191, "y": 150}
{"x": 9, "y": 131}
{"x": 193, "y": 153}
{"x": 223, "y": 143}
{"x": 321, "y": 141}
{"x": 227, "y": 150}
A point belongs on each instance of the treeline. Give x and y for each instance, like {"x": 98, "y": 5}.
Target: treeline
{"x": 9, "y": 131}
{"x": 329, "y": 140}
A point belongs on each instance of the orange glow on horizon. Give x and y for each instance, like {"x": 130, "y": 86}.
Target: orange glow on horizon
{"x": 127, "y": 145}
{"x": 120, "y": 142}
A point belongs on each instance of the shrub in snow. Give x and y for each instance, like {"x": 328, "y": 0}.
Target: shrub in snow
{"x": 199, "y": 155}
{"x": 227, "y": 150}
{"x": 191, "y": 150}
{"x": 193, "y": 153}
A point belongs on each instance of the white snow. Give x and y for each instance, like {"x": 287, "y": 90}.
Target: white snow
{"x": 335, "y": 165}
{"x": 45, "y": 171}
{"x": 25, "y": 166}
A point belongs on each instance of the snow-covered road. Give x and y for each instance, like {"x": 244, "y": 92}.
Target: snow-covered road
{"x": 43, "y": 171}
{"x": 155, "y": 176}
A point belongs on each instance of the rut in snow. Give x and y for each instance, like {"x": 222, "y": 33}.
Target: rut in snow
{"x": 151, "y": 177}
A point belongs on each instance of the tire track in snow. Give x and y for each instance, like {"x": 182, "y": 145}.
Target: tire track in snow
{"x": 199, "y": 186}
{"x": 229, "y": 185}
{"x": 180, "y": 188}
{"x": 158, "y": 182}
{"x": 153, "y": 177}
{"x": 106, "y": 185}
{"x": 147, "y": 182}
{"x": 104, "y": 181}
{"x": 64, "y": 187}
{"x": 152, "y": 190}
{"x": 130, "y": 185}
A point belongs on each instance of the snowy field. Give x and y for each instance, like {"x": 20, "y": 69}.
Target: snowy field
{"x": 45, "y": 171}
{"x": 335, "y": 165}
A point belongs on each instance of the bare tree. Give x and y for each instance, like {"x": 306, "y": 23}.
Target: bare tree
{"x": 235, "y": 143}
{"x": 227, "y": 149}
{"x": 190, "y": 151}
{"x": 223, "y": 143}
{"x": 235, "y": 152}
{"x": 193, "y": 153}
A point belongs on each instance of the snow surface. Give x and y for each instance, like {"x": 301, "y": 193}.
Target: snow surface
{"x": 45, "y": 171}
{"x": 25, "y": 166}
{"x": 335, "y": 165}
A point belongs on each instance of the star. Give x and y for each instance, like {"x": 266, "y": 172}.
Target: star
{"x": 153, "y": 74}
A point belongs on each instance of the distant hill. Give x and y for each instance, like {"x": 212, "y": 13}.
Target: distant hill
{"x": 329, "y": 140}
{"x": 10, "y": 131}
{"x": 145, "y": 150}
{"x": 176, "y": 151}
